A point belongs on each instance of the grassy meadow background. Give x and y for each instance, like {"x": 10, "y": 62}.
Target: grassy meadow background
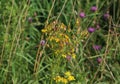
{"x": 59, "y": 42}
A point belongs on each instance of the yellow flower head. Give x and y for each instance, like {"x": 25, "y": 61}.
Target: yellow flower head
{"x": 64, "y": 55}
{"x": 44, "y": 30}
{"x": 70, "y": 78}
{"x": 77, "y": 21}
{"x": 73, "y": 56}
{"x": 57, "y": 39}
{"x": 63, "y": 26}
{"x": 57, "y": 78}
{"x": 68, "y": 73}
{"x": 64, "y": 80}
{"x": 61, "y": 79}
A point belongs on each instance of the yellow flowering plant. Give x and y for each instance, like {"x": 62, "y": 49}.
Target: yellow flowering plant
{"x": 62, "y": 44}
{"x": 68, "y": 77}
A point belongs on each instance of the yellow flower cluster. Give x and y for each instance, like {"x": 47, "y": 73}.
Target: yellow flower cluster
{"x": 61, "y": 79}
{"x": 54, "y": 39}
{"x": 67, "y": 78}
{"x": 48, "y": 28}
{"x": 59, "y": 39}
{"x": 73, "y": 55}
{"x": 54, "y": 26}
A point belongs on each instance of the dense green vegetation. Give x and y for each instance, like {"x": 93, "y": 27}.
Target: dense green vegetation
{"x": 59, "y": 41}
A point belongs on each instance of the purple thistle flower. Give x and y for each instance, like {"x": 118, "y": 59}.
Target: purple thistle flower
{"x": 30, "y": 19}
{"x": 99, "y": 60}
{"x": 93, "y": 8}
{"x": 106, "y": 16}
{"x": 68, "y": 57}
{"x": 96, "y": 47}
{"x": 91, "y": 29}
{"x": 82, "y": 14}
{"x": 42, "y": 42}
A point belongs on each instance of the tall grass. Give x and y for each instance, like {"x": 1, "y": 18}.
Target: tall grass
{"x": 47, "y": 42}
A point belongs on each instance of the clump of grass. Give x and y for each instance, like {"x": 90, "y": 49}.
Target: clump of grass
{"x": 59, "y": 42}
